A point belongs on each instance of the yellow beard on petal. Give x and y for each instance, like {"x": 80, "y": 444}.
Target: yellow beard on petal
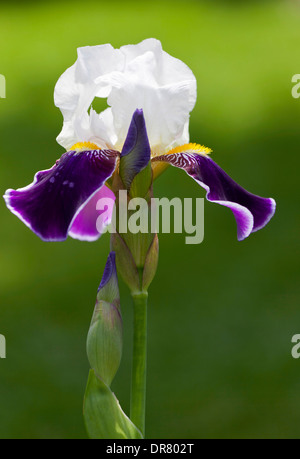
{"x": 191, "y": 148}
{"x": 85, "y": 146}
{"x": 158, "y": 167}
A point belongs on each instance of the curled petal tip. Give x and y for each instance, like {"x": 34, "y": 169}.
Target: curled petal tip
{"x": 267, "y": 213}
{"x": 251, "y": 212}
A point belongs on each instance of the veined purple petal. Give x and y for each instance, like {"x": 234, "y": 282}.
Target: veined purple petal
{"x": 91, "y": 220}
{"x": 251, "y": 212}
{"x": 136, "y": 150}
{"x": 50, "y": 204}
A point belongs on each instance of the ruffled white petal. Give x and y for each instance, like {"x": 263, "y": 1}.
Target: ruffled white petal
{"x": 134, "y": 76}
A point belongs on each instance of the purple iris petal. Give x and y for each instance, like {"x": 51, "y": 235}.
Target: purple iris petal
{"x": 136, "y": 150}
{"x": 109, "y": 289}
{"x": 251, "y": 212}
{"x": 109, "y": 270}
{"x": 50, "y": 204}
{"x": 96, "y": 214}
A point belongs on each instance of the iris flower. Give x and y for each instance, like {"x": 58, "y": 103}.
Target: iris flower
{"x": 150, "y": 95}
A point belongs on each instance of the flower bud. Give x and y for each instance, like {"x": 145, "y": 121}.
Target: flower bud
{"x": 104, "y": 340}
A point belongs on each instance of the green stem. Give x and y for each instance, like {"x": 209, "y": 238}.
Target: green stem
{"x": 138, "y": 382}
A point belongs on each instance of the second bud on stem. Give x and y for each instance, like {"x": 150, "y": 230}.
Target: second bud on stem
{"x": 104, "y": 340}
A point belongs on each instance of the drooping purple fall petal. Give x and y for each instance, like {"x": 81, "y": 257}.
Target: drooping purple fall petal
{"x": 251, "y": 212}
{"x": 50, "y": 204}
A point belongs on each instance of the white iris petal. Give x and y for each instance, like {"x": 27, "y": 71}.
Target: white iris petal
{"x": 134, "y": 76}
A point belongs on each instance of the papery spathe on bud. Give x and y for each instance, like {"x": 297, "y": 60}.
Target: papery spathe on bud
{"x": 104, "y": 340}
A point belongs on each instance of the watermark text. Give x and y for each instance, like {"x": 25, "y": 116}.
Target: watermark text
{"x": 296, "y": 87}
{"x": 2, "y": 347}
{"x": 296, "y": 349}
{"x": 159, "y": 215}
{"x": 2, "y": 87}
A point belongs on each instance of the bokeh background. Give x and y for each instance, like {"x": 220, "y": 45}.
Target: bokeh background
{"x": 221, "y": 314}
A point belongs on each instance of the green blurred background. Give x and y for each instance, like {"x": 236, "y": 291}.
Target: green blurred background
{"x": 221, "y": 314}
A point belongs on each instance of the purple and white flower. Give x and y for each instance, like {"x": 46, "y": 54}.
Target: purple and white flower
{"x": 150, "y": 95}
